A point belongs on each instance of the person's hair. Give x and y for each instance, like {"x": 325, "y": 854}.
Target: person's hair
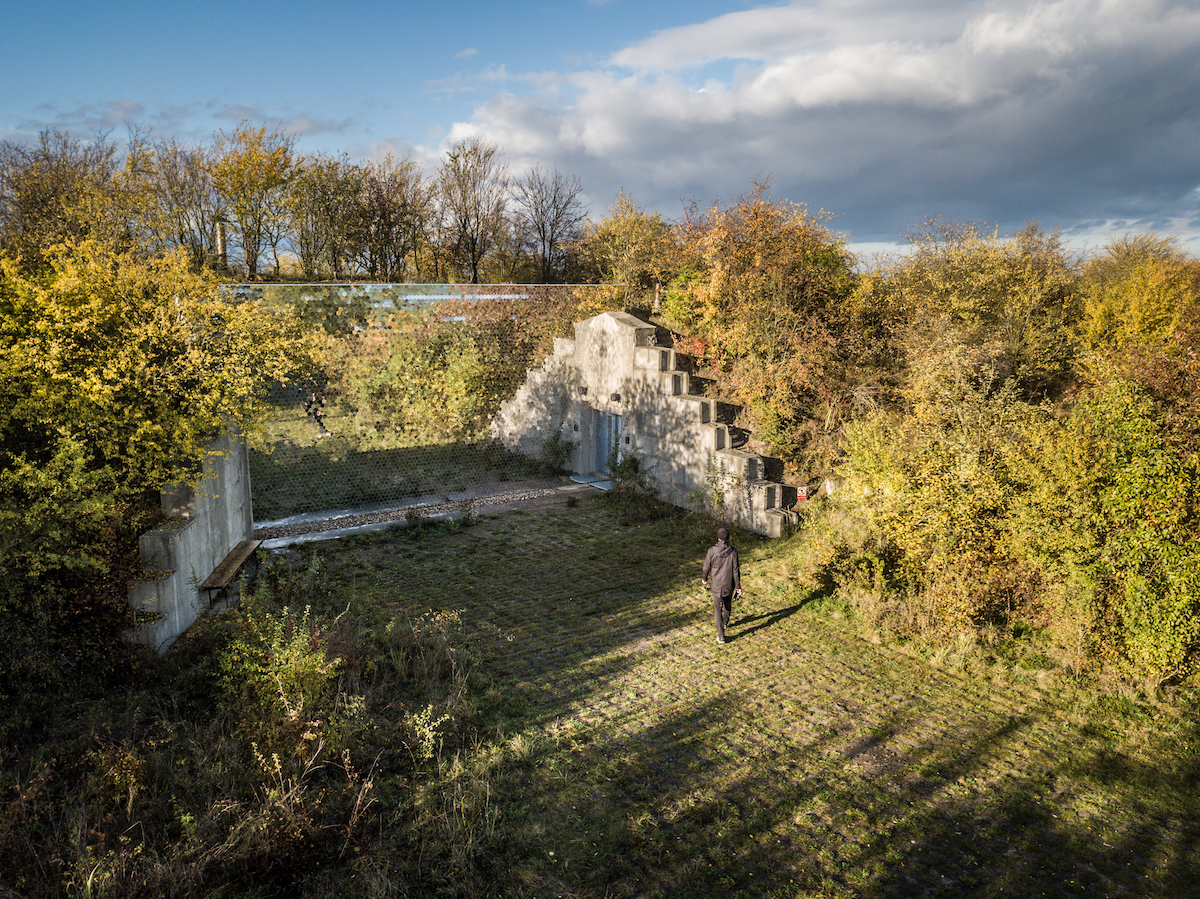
{"x": 722, "y": 534}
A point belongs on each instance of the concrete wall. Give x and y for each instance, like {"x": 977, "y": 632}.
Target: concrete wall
{"x": 613, "y": 367}
{"x": 204, "y": 522}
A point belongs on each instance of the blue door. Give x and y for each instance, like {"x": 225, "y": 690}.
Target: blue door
{"x": 608, "y": 438}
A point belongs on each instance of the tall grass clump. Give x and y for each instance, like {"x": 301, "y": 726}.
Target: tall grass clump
{"x": 262, "y": 750}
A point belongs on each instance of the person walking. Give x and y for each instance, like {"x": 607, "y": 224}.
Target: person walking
{"x": 721, "y": 567}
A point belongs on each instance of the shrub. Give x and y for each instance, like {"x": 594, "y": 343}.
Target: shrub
{"x": 115, "y": 373}
{"x": 1114, "y": 527}
{"x": 556, "y": 451}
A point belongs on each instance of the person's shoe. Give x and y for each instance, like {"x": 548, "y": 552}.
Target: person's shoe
{"x": 719, "y": 640}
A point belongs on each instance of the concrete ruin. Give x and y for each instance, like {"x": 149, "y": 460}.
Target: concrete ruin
{"x": 203, "y": 523}
{"x": 612, "y": 392}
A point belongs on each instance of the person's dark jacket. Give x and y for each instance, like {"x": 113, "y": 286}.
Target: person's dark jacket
{"x": 721, "y": 563}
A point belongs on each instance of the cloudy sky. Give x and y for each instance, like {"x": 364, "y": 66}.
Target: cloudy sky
{"x": 1081, "y": 114}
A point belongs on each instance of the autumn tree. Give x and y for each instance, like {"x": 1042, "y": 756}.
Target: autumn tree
{"x": 630, "y": 246}
{"x": 63, "y": 188}
{"x": 189, "y": 206}
{"x": 252, "y": 171}
{"x": 389, "y": 219}
{"x": 977, "y": 307}
{"x": 1136, "y": 293}
{"x": 549, "y": 217}
{"x": 321, "y": 202}
{"x": 473, "y": 199}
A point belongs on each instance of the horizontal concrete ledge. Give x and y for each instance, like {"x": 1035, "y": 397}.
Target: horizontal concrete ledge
{"x": 432, "y": 499}
{"x": 490, "y": 509}
{"x": 599, "y": 482}
{"x": 338, "y": 533}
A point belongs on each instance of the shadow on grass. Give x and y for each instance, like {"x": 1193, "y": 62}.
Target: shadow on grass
{"x": 680, "y": 808}
{"x": 761, "y": 621}
{"x": 753, "y": 623}
{"x": 336, "y": 473}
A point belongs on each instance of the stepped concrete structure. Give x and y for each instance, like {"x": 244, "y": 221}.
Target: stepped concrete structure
{"x": 203, "y": 523}
{"x": 612, "y": 392}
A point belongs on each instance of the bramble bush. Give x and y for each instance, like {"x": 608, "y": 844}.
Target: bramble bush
{"x": 933, "y": 494}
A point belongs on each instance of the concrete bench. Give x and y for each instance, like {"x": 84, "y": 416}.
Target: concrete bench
{"x": 224, "y": 574}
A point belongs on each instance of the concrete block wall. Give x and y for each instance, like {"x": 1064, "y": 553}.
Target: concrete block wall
{"x": 204, "y": 522}
{"x": 614, "y": 367}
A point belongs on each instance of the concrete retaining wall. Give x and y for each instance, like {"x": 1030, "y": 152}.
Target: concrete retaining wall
{"x": 204, "y": 522}
{"x": 613, "y": 367}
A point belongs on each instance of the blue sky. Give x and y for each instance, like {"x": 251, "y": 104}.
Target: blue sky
{"x": 1081, "y": 114}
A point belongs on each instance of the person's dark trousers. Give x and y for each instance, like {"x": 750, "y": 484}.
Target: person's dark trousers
{"x": 722, "y": 609}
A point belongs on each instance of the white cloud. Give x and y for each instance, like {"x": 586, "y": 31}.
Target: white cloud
{"x": 378, "y": 150}
{"x": 1008, "y": 110}
{"x": 773, "y": 32}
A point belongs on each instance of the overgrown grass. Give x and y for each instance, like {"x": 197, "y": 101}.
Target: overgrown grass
{"x": 535, "y": 706}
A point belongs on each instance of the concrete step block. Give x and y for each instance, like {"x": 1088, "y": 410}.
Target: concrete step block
{"x": 747, "y": 466}
{"x": 674, "y": 383}
{"x": 159, "y": 547}
{"x": 149, "y": 596}
{"x": 766, "y": 495}
{"x": 779, "y": 522}
{"x": 694, "y": 408}
{"x": 654, "y": 358}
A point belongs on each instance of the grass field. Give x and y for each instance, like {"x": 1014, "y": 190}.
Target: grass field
{"x": 535, "y": 705}
{"x": 624, "y": 753}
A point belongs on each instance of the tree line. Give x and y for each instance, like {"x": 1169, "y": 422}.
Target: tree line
{"x": 249, "y": 205}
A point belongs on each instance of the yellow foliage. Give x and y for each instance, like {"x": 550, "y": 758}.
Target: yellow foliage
{"x": 630, "y": 247}
{"x": 252, "y": 171}
{"x": 1136, "y": 293}
{"x": 136, "y": 364}
{"x": 984, "y": 309}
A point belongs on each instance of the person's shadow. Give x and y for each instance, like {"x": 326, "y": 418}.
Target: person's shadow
{"x": 768, "y": 619}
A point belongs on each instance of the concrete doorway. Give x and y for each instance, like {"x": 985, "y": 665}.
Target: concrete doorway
{"x": 608, "y": 439}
